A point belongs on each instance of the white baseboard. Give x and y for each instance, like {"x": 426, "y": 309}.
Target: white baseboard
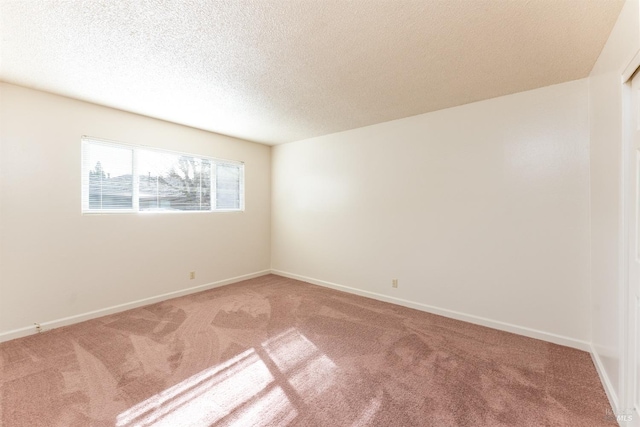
{"x": 495, "y": 324}
{"x": 604, "y": 379}
{"x": 29, "y": 330}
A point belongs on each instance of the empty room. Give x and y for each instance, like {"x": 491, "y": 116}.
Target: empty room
{"x": 319, "y": 213}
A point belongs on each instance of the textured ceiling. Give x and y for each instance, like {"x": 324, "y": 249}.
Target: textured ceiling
{"x": 274, "y": 71}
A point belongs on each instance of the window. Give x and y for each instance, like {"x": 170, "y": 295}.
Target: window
{"x": 127, "y": 178}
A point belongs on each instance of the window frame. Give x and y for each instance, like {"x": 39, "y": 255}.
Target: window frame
{"x": 135, "y": 209}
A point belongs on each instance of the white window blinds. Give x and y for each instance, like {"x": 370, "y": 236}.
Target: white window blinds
{"x": 107, "y": 178}
{"x": 229, "y": 186}
{"x": 123, "y": 178}
{"x": 176, "y": 182}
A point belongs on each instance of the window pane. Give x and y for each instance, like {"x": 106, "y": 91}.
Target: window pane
{"x": 119, "y": 177}
{"x": 228, "y": 186}
{"x": 109, "y": 174}
{"x": 171, "y": 181}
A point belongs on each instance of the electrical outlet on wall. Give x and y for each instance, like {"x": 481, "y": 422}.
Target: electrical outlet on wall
{"x": 39, "y": 328}
{"x": 192, "y": 275}
{"x": 394, "y": 283}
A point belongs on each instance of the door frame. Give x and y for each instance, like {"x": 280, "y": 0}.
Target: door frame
{"x": 629, "y": 330}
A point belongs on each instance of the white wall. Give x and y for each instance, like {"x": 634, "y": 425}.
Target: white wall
{"x": 56, "y": 262}
{"x": 606, "y": 118}
{"x": 481, "y": 209}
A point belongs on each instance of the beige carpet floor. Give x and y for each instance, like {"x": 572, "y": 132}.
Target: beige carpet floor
{"x": 273, "y": 351}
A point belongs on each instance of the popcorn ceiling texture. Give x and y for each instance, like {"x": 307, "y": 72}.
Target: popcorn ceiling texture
{"x": 278, "y": 71}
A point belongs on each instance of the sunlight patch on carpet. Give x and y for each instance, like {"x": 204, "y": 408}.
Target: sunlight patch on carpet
{"x": 254, "y": 387}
